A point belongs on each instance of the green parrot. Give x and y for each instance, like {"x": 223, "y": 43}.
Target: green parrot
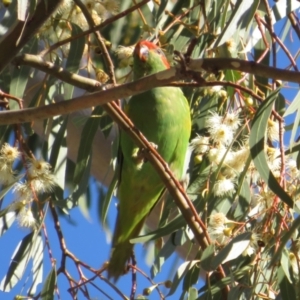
{"x": 163, "y": 116}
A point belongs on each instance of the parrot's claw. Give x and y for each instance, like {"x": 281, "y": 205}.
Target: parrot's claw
{"x": 139, "y": 156}
{"x": 153, "y": 145}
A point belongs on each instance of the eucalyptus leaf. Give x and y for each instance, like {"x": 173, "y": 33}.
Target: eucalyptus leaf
{"x": 287, "y": 289}
{"x": 48, "y": 290}
{"x": 74, "y": 57}
{"x": 86, "y": 140}
{"x": 257, "y": 146}
{"x": 18, "y": 264}
{"x": 6, "y": 220}
{"x": 232, "y": 250}
{"x": 181, "y": 272}
{"x": 37, "y": 264}
{"x": 238, "y": 14}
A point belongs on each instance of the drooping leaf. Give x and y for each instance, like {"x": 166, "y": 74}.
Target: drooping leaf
{"x": 78, "y": 196}
{"x": 281, "y": 9}
{"x": 18, "y": 264}
{"x": 284, "y": 240}
{"x": 233, "y": 249}
{"x": 192, "y": 294}
{"x": 6, "y": 220}
{"x": 37, "y": 264}
{"x": 74, "y": 58}
{"x": 191, "y": 278}
{"x": 181, "y": 272}
{"x": 210, "y": 291}
{"x": 294, "y": 108}
{"x": 287, "y": 289}
{"x": 284, "y": 262}
{"x": 48, "y": 290}
{"x": 165, "y": 252}
{"x": 257, "y": 146}
{"x": 207, "y": 258}
{"x": 105, "y": 202}
{"x": 84, "y": 152}
{"x": 57, "y": 147}
{"x": 239, "y": 13}
{"x": 21, "y": 75}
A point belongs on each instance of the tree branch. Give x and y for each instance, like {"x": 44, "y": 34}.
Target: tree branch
{"x": 163, "y": 78}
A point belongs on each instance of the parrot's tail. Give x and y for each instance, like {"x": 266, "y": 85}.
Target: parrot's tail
{"x": 120, "y": 254}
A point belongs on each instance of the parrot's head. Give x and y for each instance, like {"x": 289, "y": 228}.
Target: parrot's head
{"x": 148, "y": 59}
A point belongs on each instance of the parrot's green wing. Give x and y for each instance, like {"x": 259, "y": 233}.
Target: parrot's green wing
{"x": 163, "y": 116}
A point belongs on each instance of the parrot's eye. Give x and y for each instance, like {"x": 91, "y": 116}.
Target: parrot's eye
{"x": 160, "y": 52}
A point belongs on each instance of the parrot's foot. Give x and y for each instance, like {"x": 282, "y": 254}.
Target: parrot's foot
{"x": 139, "y": 156}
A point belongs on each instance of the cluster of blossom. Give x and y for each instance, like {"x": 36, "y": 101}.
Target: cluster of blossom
{"x": 68, "y": 11}
{"x": 220, "y": 230}
{"x": 125, "y": 55}
{"x": 39, "y": 179}
{"x": 218, "y": 148}
{"x": 222, "y": 130}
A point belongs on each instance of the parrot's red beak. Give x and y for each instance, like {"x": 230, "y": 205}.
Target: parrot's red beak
{"x": 141, "y": 51}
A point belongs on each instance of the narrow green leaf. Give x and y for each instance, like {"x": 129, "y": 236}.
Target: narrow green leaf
{"x": 181, "y": 272}
{"x": 257, "y": 146}
{"x": 287, "y": 289}
{"x": 294, "y": 106}
{"x": 191, "y": 278}
{"x": 244, "y": 195}
{"x": 280, "y": 104}
{"x": 105, "y": 203}
{"x": 18, "y": 263}
{"x": 175, "y": 224}
{"x": 57, "y": 140}
{"x": 37, "y": 264}
{"x": 208, "y": 291}
{"x": 240, "y": 292}
{"x": 6, "y": 221}
{"x": 207, "y": 257}
{"x": 233, "y": 76}
{"x": 285, "y": 264}
{"x": 284, "y": 240}
{"x": 259, "y": 49}
{"x": 84, "y": 152}
{"x": 78, "y": 196}
{"x": 5, "y": 190}
{"x": 240, "y": 11}
{"x": 232, "y": 250}
{"x": 76, "y": 50}
{"x": 192, "y": 294}
{"x": 21, "y": 75}
{"x": 5, "y": 78}
{"x": 106, "y": 123}
{"x": 165, "y": 252}
{"x": 282, "y": 8}
{"x": 58, "y": 151}
{"x": 74, "y": 58}
{"x": 49, "y": 286}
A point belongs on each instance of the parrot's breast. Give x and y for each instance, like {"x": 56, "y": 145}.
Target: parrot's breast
{"x": 163, "y": 116}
